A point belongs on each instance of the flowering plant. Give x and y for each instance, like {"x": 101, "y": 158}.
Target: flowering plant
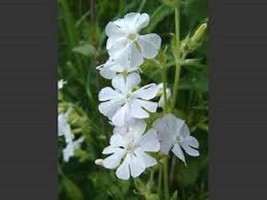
{"x": 125, "y": 113}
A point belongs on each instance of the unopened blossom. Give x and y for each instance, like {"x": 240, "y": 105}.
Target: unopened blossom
{"x": 64, "y": 127}
{"x": 129, "y": 151}
{"x": 126, "y": 44}
{"x": 69, "y": 150}
{"x": 123, "y": 104}
{"x": 174, "y": 135}
{"x": 161, "y": 94}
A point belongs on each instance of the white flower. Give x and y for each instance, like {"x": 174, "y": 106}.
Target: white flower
{"x": 174, "y": 135}
{"x": 161, "y": 93}
{"x": 123, "y": 105}
{"x": 125, "y": 43}
{"x": 64, "y": 127}
{"x": 60, "y": 84}
{"x": 110, "y": 69}
{"x": 131, "y": 148}
{"x": 71, "y": 147}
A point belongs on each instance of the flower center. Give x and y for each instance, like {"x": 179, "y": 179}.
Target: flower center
{"x": 132, "y": 36}
{"x": 128, "y": 96}
{"x": 130, "y": 147}
{"x": 179, "y": 138}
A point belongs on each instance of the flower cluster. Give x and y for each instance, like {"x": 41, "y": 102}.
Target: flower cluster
{"x": 64, "y": 130}
{"x": 127, "y": 105}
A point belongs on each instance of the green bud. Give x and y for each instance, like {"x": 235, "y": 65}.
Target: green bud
{"x": 199, "y": 34}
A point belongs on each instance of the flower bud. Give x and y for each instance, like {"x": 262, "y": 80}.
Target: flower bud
{"x": 199, "y": 34}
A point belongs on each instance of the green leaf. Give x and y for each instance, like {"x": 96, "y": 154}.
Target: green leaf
{"x": 72, "y": 191}
{"x": 85, "y": 49}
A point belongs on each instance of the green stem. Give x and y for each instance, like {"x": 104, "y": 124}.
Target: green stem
{"x": 166, "y": 179}
{"x": 176, "y": 53}
{"x": 160, "y": 180}
{"x": 164, "y": 80}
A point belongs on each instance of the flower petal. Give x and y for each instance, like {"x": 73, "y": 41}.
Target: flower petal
{"x": 118, "y": 82}
{"x": 107, "y": 73}
{"x": 112, "y": 30}
{"x": 137, "y": 165}
{"x": 132, "y": 80}
{"x": 193, "y": 142}
{"x": 117, "y": 141}
{"x": 148, "y": 105}
{"x": 137, "y": 112}
{"x": 123, "y": 171}
{"x": 117, "y": 49}
{"x": 119, "y": 119}
{"x": 183, "y": 128}
{"x": 149, "y": 44}
{"x": 108, "y": 93}
{"x": 130, "y": 20}
{"x": 165, "y": 146}
{"x": 142, "y": 22}
{"x": 188, "y": 149}
{"x": 178, "y": 152}
{"x": 109, "y": 108}
{"x": 149, "y": 160}
{"x": 147, "y": 92}
{"x": 137, "y": 129}
{"x": 114, "y": 160}
{"x": 149, "y": 142}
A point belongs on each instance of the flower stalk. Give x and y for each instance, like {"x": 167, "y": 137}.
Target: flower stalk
{"x": 176, "y": 54}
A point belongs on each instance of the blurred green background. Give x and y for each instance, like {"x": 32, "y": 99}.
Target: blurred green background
{"x": 81, "y": 43}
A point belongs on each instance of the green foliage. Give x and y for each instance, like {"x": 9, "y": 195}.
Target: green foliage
{"x": 81, "y": 43}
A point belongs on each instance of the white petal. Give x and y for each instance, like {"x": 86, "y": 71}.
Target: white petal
{"x": 135, "y": 57}
{"x": 188, "y": 149}
{"x": 123, "y": 172}
{"x": 68, "y": 152}
{"x": 147, "y": 92}
{"x": 137, "y": 129}
{"x": 183, "y": 128}
{"x": 148, "y": 105}
{"x": 118, "y": 82}
{"x": 149, "y": 161}
{"x": 137, "y": 165}
{"x": 108, "y": 93}
{"x": 116, "y": 65}
{"x": 109, "y": 108}
{"x": 149, "y": 44}
{"x": 109, "y": 150}
{"x": 166, "y": 145}
{"x": 119, "y": 119}
{"x": 142, "y": 22}
{"x": 117, "y": 141}
{"x": 178, "y": 152}
{"x": 192, "y": 141}
{"x": 137, "y": 112}
{"x": 132, "y": 80}
{"x": 112, "y": 30}
{"x": 114, "y": 160}
{"x": 122, "y": 130}
{"x": 130, "y": 20}
{"x": 150, "y": 142}
{"x": 118, "y": 49}
{"x": 107, "y": 73}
